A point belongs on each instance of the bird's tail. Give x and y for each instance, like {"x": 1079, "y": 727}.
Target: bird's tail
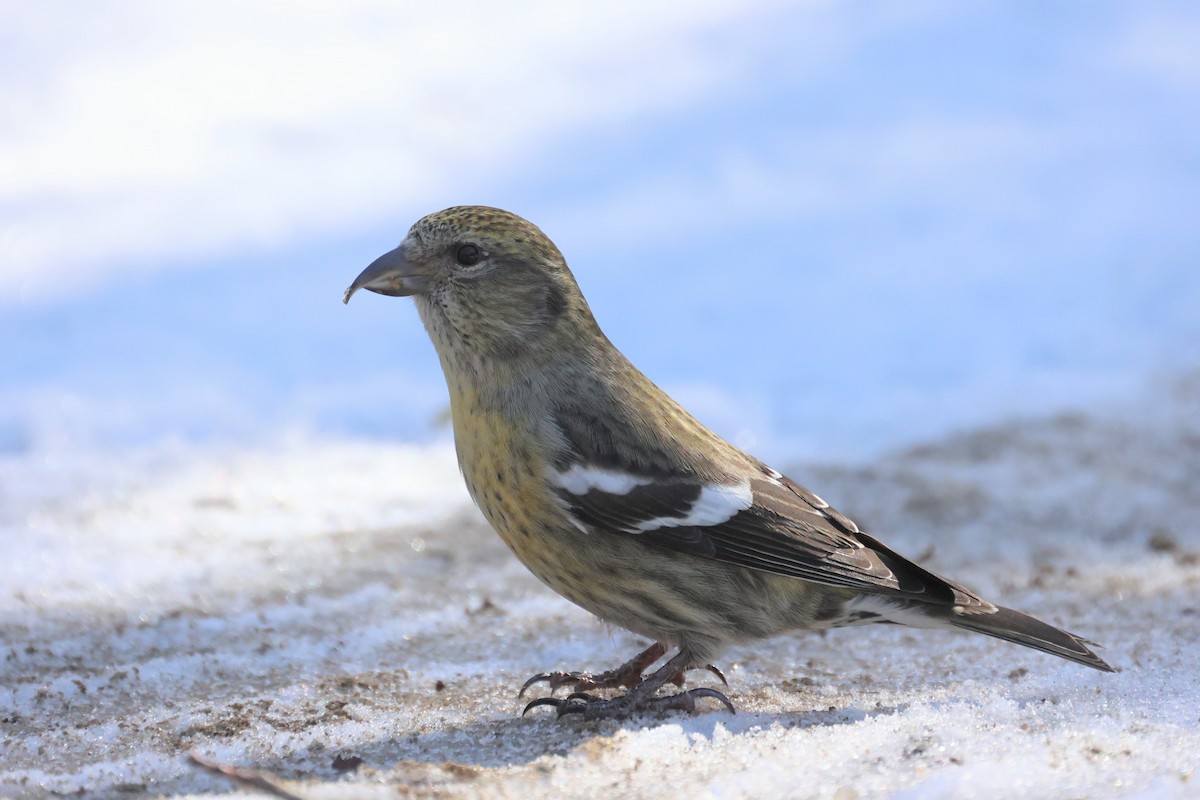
{"x": 1013, "y": 626}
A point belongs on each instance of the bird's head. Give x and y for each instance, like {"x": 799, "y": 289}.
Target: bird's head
{"x": 483, "y": 279}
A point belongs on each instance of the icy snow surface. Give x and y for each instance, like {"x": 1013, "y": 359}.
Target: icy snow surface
{"x": 308, "y": 604}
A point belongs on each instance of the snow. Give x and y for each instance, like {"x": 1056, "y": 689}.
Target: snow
{"x": 947, "y": 282}
{"x": 821, "y": 226}
{"x": 284, "y": 605}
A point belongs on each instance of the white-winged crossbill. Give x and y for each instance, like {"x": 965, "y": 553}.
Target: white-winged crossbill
{"x": 620, "y": 500}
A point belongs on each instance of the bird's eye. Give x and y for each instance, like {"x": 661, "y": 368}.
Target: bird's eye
{"x": 468, "y": 255}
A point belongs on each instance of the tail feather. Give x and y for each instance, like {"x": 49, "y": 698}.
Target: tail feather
{"x": 1013, "y": 626}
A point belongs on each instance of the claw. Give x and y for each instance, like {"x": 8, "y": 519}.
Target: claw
{"x": 541, "y": 676}
{"x": 717, "y": 671}
{"x": 557, "y": 702}
{"x": 579, "y": 680}
{"x": 704, "y": 691}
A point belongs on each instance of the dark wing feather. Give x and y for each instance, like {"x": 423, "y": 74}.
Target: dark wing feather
{"x": 786, "y": 531}
{"x": 622, "y": 512}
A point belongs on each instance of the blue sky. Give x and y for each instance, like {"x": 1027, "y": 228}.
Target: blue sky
{"x": 827, "y": 227}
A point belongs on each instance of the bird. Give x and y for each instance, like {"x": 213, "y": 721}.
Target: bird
{"x": 621, "y": 501}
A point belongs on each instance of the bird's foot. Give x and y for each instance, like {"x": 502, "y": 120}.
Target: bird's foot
{"x": 591, "y": 707}
{"x": 626, "y": 676}
{"x": 584, "y": 681}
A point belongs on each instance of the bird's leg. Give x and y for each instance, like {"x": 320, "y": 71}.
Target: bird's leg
{"x": 640, "y": 698}
{"x": 627, "y": 675}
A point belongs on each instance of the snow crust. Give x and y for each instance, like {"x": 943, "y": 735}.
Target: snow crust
{"x": 298, "y": 606}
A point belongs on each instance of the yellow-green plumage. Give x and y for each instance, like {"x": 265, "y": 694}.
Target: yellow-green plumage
{"x": 621, "y": 501}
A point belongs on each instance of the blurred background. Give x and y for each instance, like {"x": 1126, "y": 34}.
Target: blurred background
{"x": 828, "y": 228}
